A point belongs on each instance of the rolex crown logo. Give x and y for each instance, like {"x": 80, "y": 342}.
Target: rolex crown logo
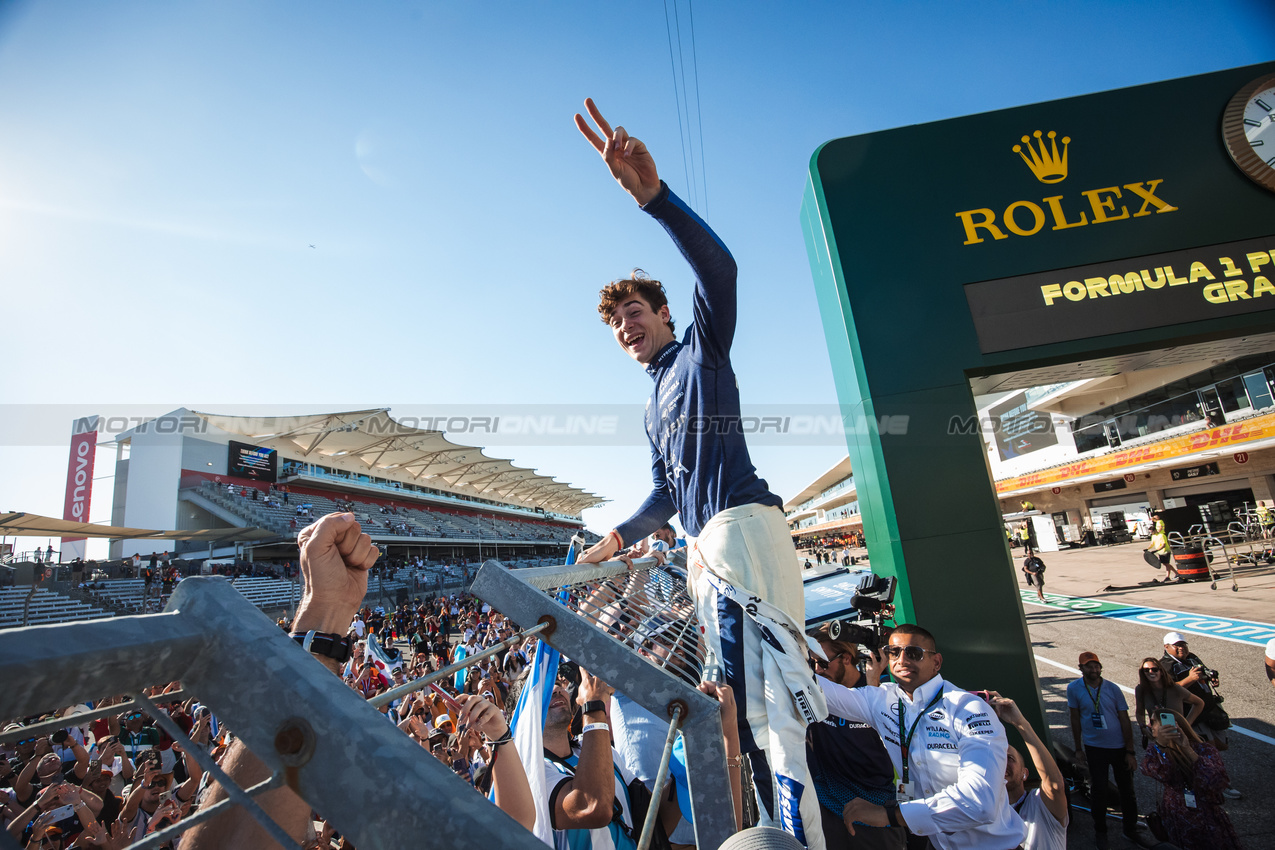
{"x": 1044, "y": 160}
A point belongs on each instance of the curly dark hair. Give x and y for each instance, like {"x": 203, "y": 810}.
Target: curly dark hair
{"x": 619, "y": 291}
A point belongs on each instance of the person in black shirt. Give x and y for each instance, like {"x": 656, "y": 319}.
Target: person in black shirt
{"x": 846, "y": 758}
{"x": 1186, "y": 669}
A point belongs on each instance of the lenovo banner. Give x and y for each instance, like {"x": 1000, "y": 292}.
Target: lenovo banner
{"x": 79, "y": 483}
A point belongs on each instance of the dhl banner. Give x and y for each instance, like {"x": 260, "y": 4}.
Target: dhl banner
{"x": 1257, "y": 428}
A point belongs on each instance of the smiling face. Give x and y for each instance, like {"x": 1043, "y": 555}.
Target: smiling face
{"x": 640, "y": 330}
{"x": 913, "y": 660}
{"x": 1178, "y": 650}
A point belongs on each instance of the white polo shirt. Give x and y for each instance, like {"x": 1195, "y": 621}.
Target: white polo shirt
{"x": 956, "y": 760}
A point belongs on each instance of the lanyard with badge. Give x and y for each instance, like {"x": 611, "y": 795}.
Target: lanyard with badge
{"x": 905, "y": 792}
{"x": 1096, "y": 718}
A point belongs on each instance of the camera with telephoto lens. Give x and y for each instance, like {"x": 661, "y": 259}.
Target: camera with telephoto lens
{"x": 873, "y": 602}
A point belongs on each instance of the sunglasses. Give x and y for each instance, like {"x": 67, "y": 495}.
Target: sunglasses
{"x": 1151, "y": 669}
{"x": 133, "y": 716}
{"x": 820, "y": 664}
{"x": 26, "y": 741}
{"x": 911, "y": 653}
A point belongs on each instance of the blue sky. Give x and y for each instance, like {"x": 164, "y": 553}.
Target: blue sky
{"x": 164, "y": 169}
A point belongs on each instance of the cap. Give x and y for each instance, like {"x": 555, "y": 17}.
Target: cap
{"x": 1086, "y": 657}
{"x": 1270, "y": 649}
{"x": 816, "y": 648}
{"x": 1172, "y": 638}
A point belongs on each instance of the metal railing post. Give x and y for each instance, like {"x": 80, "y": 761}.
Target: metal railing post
{"x": 661, "y": 776}
{"x": 659, "y": 687}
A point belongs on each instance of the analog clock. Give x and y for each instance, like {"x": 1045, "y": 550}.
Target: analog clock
{"x": 1248, "y": 128}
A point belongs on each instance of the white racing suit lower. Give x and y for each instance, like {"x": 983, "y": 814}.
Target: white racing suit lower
{"x": 746, "y": 583}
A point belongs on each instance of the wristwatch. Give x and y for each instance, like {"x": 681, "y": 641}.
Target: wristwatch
{"x": 595, "y": 705}
{"x": 892, "y": 812}
{"x": 325, "y": 645}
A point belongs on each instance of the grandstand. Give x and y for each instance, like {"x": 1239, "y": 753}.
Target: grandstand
{"x": 418, "y": 494}
{"x": 437, "y": 509}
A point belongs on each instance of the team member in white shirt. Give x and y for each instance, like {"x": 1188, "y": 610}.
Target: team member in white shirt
{"x": 1043, "y": 809}
{"x": 948, "y": 748}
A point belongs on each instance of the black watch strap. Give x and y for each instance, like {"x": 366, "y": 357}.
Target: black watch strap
{"x": 595, "y": 705}
{"x": 892, "y": 813}
{"x": 337, "y": 647}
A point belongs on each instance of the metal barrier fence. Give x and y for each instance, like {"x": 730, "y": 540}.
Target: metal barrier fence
{"x": 635, "y": 628}
{"x": 311, "y": 730}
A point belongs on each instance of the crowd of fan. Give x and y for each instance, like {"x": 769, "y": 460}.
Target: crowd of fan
{"x": 108, "y": 782}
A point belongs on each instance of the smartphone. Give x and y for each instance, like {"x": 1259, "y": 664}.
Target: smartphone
{"x": 61, "y": 813}
{"x": 985, "y": 696}
{"x": 447, "y": 698}
{"x": 1167, "y": 719}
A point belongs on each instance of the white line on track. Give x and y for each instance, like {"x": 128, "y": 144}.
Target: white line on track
{"x": 1266, "y": 739}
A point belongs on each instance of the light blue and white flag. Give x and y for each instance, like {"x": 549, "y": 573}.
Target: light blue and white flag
{"x": 528, "y": 724}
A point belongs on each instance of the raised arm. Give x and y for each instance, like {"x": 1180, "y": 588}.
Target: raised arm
{"x": 1052, "y": 787}
{"x": 585, "y": 800}
{"x": 509, "y": 781}
{"x": 627, "y": 158}
{"x": 633, "y": 168}
{"x": 335, "y": 558}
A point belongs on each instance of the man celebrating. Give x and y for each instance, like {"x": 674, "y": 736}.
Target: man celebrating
{"x": 1104, "y": 737}
{"x": 743, "y": 570}
{"x": 947, "y": 746}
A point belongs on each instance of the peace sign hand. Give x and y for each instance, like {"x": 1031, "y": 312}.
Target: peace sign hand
{"x": 631, "y": 164}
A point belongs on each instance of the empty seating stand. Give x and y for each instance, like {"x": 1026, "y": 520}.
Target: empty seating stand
{"x": 264, "y": 592}
{"x": 46, "y": 607}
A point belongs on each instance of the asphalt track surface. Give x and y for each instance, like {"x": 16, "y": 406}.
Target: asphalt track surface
{"x": 1058, "y": 638}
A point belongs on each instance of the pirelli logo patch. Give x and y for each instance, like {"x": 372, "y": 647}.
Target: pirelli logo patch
{"x": 803, "y": 706}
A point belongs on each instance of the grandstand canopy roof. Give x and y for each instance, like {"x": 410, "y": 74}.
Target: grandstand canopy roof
{"x": 34, "y": 525}
{"x": 838, "y": 471}
{"x": 372, "y": 443}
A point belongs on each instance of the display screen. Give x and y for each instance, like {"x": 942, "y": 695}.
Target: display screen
{"x": 253, "y": 462}
{"x": 1021, "y": 430}
{"x": 1123, "y": 295}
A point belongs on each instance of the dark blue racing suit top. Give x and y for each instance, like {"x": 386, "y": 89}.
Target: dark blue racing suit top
{"x": 699, "y": 460}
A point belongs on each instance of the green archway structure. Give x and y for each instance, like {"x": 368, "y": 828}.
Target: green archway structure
{"x": 949, "y": 252}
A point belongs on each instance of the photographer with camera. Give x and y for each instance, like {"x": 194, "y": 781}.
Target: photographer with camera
{"x": 846, "y": 757}
{"x": 1186, "y": 669}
